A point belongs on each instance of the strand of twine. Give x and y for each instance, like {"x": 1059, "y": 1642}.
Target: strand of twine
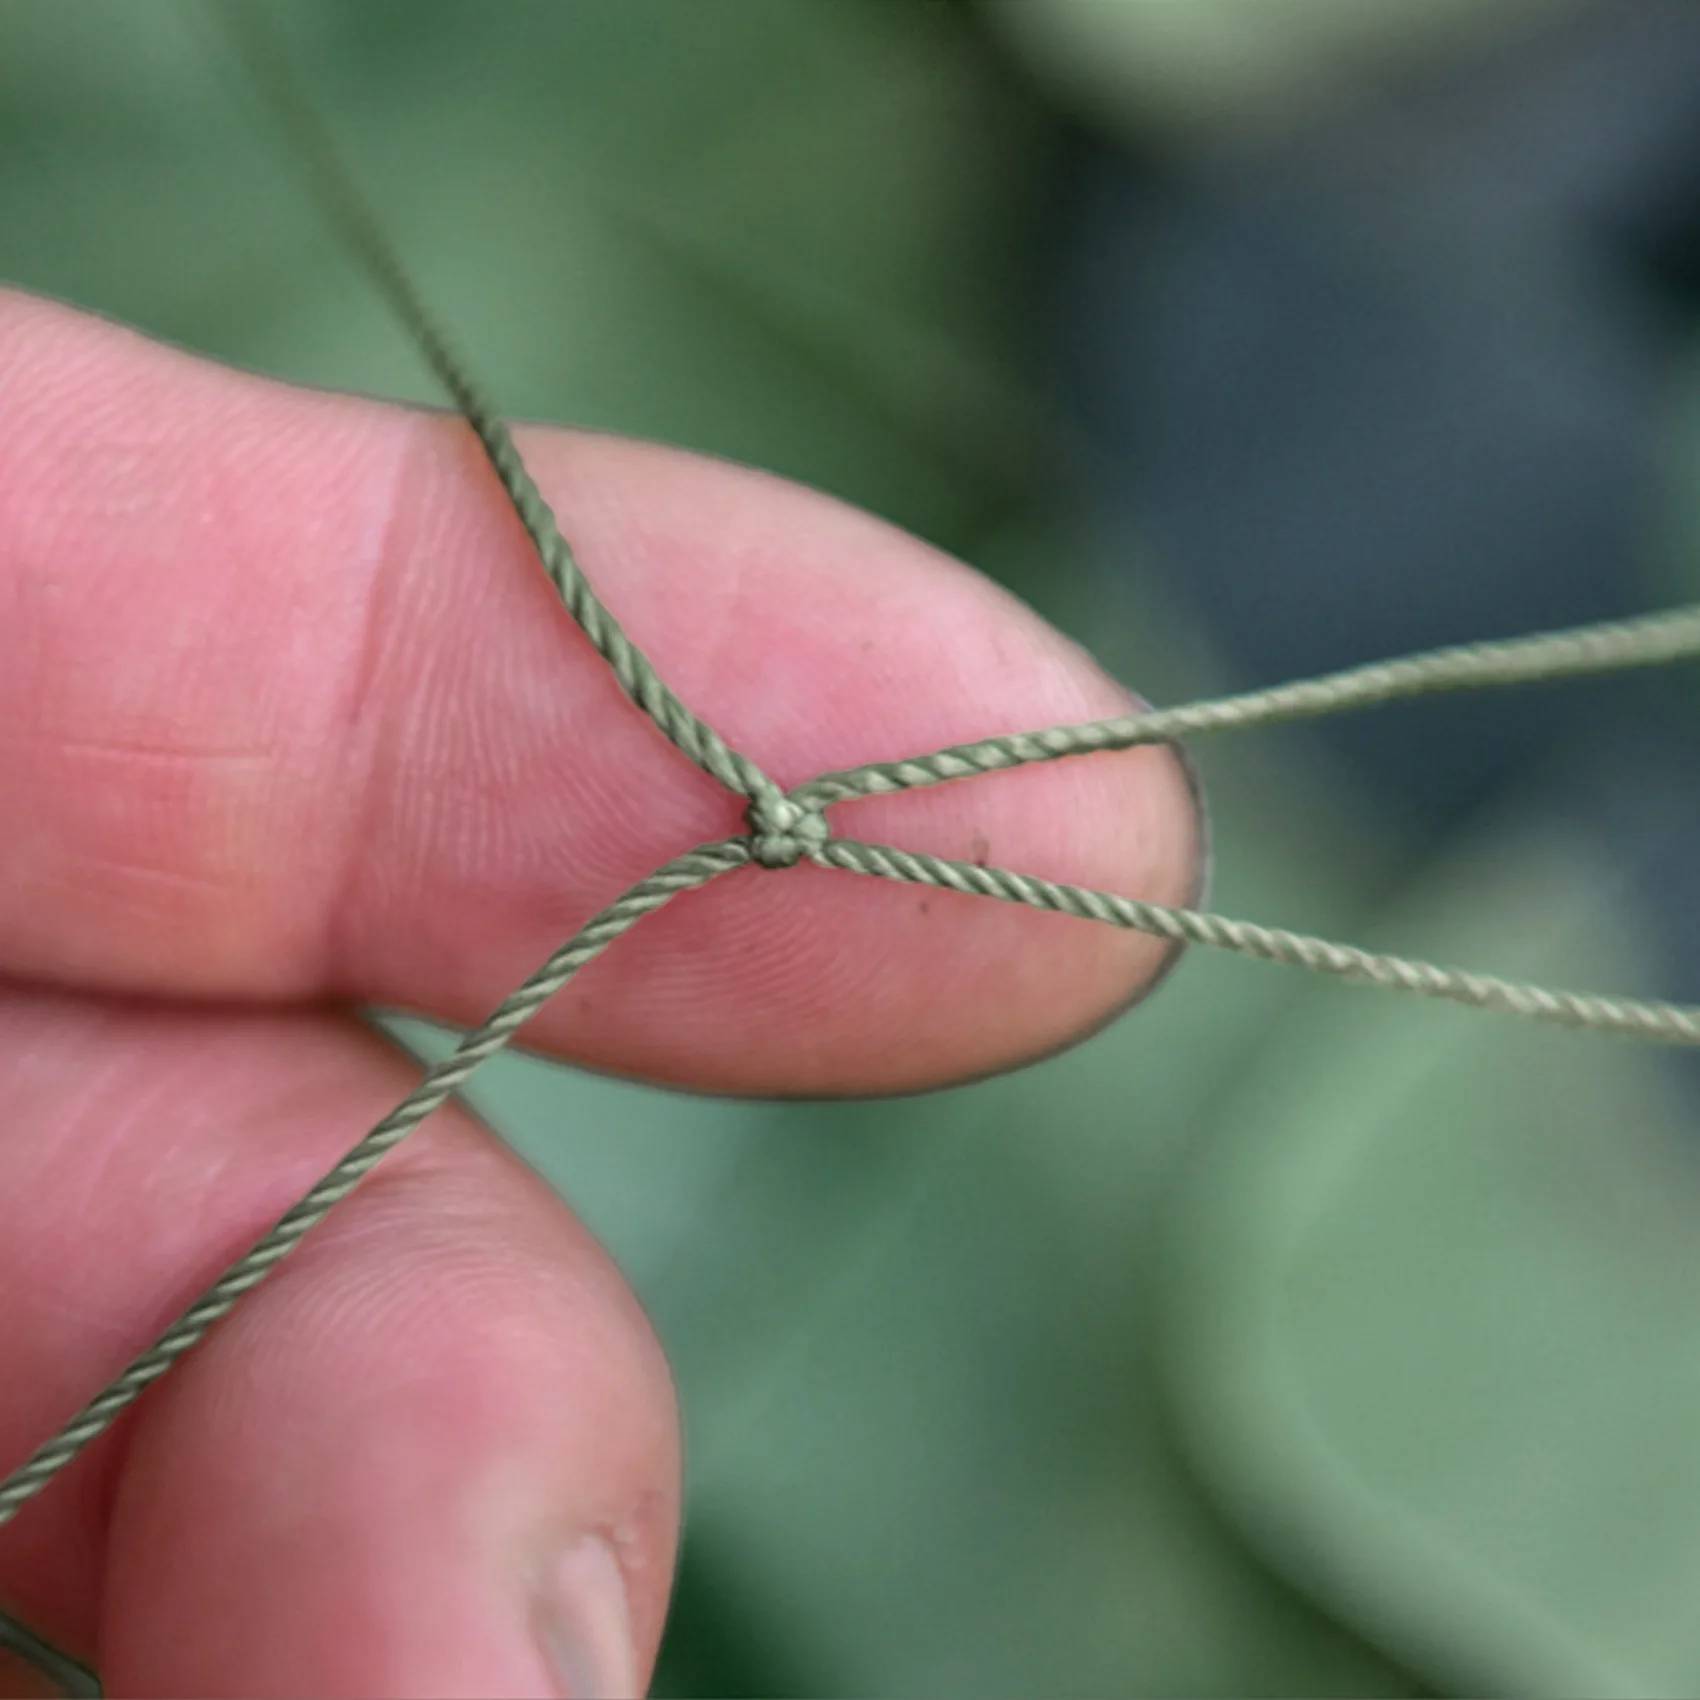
{"x": 1675, "y": 1024}
{"x": 69, "y": 1675}
{"x": 1651, "y": 641}
{"x": 686, "y": 872}
{"x": 348, "y": 211}
{"x": 785, "y": 829}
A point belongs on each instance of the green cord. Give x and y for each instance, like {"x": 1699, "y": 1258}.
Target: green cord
{"x": 786, "y": 828}
{"x": 73, "y": 1678}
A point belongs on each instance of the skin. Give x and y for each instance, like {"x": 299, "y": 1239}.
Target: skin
{"x": 290, "y": 721}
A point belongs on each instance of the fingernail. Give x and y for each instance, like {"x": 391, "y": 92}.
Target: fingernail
{"x": 586, "y": 1626}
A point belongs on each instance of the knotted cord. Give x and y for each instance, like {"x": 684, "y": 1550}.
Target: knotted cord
{"x": 788, "y": 827}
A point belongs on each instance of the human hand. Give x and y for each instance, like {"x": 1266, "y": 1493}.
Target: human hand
{"x": 290, "y": 720}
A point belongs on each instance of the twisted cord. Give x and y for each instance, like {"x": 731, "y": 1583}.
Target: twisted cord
{"x": 785, "y": 829}
{"x": 72, "y": 1677}
{"x": 349, "y": 211}
{"x": 686, "y": 872}
{"x": 1673, "y": 1024}
{"x": 1653, "y": 640}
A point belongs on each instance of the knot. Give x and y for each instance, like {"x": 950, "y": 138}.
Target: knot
{"x": 783, "y": 832}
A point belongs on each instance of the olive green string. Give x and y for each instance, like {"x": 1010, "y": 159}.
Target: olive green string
{"x": 349, "y": 212}
{"x": 695, "y": 868}
{"x": 785, "y": 829}
{"x": 1651, "y": 641}
{"x": 69, "y": 1675}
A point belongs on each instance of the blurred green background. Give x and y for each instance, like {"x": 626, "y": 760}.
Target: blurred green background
{"x": 1283, "y": 1339}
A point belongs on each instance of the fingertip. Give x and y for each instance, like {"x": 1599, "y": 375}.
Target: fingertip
{"x": 287, "y": 710}
{"x": 370, "y": 1478}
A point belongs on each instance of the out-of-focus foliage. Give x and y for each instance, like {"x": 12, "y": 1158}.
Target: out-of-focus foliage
{"x": 1283, "y": 1338}
{"x": 1206, "y": 69}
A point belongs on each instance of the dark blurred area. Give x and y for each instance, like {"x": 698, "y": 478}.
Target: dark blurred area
{"x": 1285, "y": 1338}
{"x": 1406, "y": 375}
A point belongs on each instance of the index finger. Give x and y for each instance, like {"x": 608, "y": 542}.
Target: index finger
{"x": 289, "y": 711}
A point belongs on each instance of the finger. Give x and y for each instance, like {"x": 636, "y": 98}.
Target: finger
{"x": 287, "y": 708}
{"x": 436, "y": 1453}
